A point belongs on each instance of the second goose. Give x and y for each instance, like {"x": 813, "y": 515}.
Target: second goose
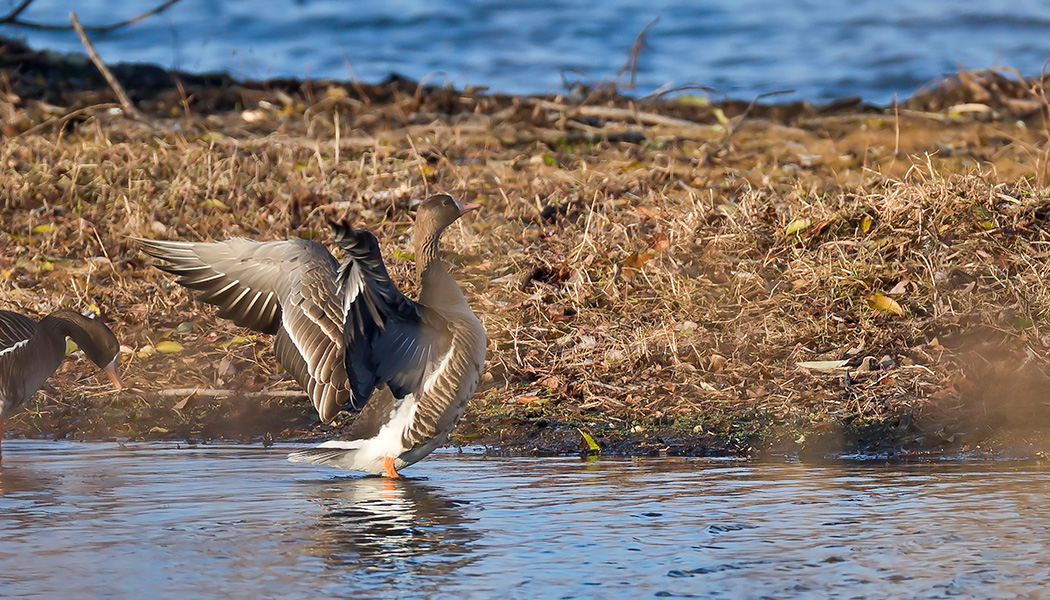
{"x": 30, "y": 351}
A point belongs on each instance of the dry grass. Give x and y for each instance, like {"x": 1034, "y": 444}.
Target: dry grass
{"x": 652, "y": 292}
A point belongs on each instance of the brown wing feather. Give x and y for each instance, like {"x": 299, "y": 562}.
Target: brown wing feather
{"x": 287, "y": 287}
{"x": 243, "y": 278}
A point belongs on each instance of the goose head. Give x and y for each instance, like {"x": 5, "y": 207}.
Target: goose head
{"x": 438, "y": 212}
{"x": 99, "y": 344}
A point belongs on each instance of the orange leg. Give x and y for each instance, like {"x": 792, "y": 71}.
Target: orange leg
{"x": 388, "y": 464}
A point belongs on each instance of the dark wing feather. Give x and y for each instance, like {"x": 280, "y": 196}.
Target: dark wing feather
{"x": 287, "y": 287}
{"x": 15, "y": 328}
{"x": 388, "y": 338}
{"x": 18, "y": 370}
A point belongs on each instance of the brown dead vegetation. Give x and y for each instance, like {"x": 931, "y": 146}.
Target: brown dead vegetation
{"x": 651, "y": 272}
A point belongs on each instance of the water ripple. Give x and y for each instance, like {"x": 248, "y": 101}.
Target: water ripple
{"x": 216, "y": 522}
{"x": 820, "y": 48}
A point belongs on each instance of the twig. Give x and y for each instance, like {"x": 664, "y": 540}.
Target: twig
{"x": 214, "y": 393}
{"x": 66, "y": 117}
{"x": 896, "y": 127}
{"x": 122, "y": 96}
{"x": 736, "y": 126}
{"x": 660, "y": 93}
{"x": 624, "y": 114}
{"x": 12, "y": 19}
{"x": 12, "y": 16}
{"x": 631, "y": 66}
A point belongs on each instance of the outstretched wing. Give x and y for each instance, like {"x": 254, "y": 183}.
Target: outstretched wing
{"x": 286, "y": 287}
{"x": 388, "y": 338}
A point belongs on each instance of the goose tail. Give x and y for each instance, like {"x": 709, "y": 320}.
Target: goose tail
{"x": 337, "y": 454}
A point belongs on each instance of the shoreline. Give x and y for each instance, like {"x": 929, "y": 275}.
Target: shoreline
{"x": 657, "y": 274}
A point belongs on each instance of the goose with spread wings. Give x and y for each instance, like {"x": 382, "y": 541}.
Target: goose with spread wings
{"x": 349, "y": 336}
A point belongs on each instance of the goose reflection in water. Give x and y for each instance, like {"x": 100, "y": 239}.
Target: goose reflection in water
{"x": 392, "y": 528}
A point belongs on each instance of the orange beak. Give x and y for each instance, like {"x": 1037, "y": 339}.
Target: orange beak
{"x": 111, "y": 372}
{"x": 465, "y": 208}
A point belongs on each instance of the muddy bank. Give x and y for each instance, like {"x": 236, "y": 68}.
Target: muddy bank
{"x": 680, "y": 275}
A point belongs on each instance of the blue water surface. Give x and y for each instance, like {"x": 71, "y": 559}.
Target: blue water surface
{"x": 819, "y": 48}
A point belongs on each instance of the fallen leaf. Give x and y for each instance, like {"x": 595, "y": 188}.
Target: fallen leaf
{"x": 899, "y": 289}
{"x": 720, "y": 116}
{"x": 168, "y": 347}
{"x": 686, "y": 326}
{"x": 216, "y": 204}
{"x": 716, "y": 362}
{"x": 336, "y": 92}
{"x": 1022, "y": 323}
{"x": 637, "y": 259}
{"x": 693, "y": 100}
{"x": 561, "y": 312}
{"x": 44, "y": 228}
{"x": 796, "y": 226}
{"x": 819, "y": 227}
{"x": 589, "y": 443}
{"x": 235, "y": 341}
{"x": 251, "y": 116}
{"x": 225, "y": 367}
{"x": 181, "y": 404}
{"x": 885, "y": 304}
{"x": 553, "y": 382}
{"x": 823, "y": 365}
{"x": 661, "y": 243}
{"x": 984, "y": 218}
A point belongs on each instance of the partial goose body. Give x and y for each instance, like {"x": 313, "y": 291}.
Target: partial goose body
{"x": 30, "y": 351}
{"x": 344, "y": 331}
{"x": 415, "y": 364}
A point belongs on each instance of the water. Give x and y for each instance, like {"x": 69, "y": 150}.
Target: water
{"x": 102, "y": 521}
{"x": 820, "y": 48}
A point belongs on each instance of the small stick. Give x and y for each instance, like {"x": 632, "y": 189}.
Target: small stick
{"x": 12, "y": 16}
{"x": 624, "y": 114}
{"x": 731, "y": 131}
{"x": 66, "y": 117}
{"x": 114, "y": 85}
{"x": 631, "y": 66}
{"x": 12, "y": 19}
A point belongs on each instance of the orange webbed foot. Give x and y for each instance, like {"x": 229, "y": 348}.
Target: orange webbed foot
{"x": 388, "y": 466}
